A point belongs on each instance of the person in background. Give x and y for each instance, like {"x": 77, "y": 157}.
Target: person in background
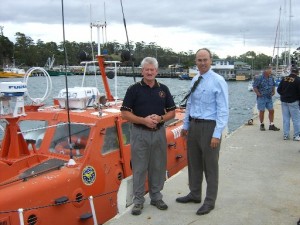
{"x": 206, "y": 117}
{"x": 289, "y": 91}
{"x": 264, "y": 88}
{"x": 148, "y": 104}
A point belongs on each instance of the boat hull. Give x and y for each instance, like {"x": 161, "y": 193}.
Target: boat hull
{"x": 10, "y": 75}
{"x": 59, "y": 73}
{"x": 49, "y": 190}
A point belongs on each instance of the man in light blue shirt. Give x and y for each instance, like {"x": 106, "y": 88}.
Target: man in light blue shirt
{"x": 207, "y": 113}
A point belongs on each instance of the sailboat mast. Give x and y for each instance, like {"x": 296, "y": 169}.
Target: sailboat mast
{"x": 277, "y": 42}
{"x": 289, "y": 34}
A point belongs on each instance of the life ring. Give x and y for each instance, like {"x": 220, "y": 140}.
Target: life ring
{"x": 78, "y": 143}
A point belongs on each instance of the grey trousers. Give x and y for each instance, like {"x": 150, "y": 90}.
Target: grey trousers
{"x": 202, "y": 159}
{"x": 148, "y": 155}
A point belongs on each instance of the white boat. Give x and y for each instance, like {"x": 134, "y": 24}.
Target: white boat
{"x": 282, "y": 69}
{"x": 224, "y": 68}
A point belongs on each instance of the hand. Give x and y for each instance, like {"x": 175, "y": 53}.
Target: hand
{"x": 151, "y": 121}
{"x": 155, "y": 117}
{"x": 184, "y": 133}
{"x": 214, "y": 142}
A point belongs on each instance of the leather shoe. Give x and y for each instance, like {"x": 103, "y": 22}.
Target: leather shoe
{"x": 187, "y": 199}
{"x": 204, "y": 209}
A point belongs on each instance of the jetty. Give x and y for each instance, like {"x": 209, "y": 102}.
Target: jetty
{"x": 259, "y": 183}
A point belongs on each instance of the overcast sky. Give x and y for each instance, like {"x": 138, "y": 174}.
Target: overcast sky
{"x": 226, "y": 27}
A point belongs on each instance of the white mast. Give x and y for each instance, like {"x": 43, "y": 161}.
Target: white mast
{"x": 103, "y": 27}
{"x": 289, "y": 34}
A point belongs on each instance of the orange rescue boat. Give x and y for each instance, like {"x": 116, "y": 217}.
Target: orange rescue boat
{"x": 69, "y": 163}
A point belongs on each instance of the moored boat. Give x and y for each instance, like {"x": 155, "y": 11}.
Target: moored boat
{"x": 69, "y": 163}
{"x": 184, "y": 76}
{"x": 59, "y": 73}
{"x": 12, "y": 72}
{"x": 56, "y": 71}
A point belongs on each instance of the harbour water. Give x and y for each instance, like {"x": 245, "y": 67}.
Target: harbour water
{"x": 241, "y": 101}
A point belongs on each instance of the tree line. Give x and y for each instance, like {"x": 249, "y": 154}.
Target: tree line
{"x": 25, "y": 53}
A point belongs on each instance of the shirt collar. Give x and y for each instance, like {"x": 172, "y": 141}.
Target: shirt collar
{"x": 156, "y": 84}
{"x": 205, "y": 74}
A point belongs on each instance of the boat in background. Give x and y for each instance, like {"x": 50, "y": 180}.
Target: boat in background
{"x": 184, "y": 76}
{"x": 224, "y": 68}
{"x": 193, "y": 71}
{"x": 12, "y": 72}
{"x": 56, "y": 71}
{"x": 237, "y": 71}
{"x": 59, "y": 72}
{"x": 282, "y": 66}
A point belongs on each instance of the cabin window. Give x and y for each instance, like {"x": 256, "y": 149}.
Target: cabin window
{"x": 111, "y": 141}
{"x": 2, "y": 128}
{"x": 79, "y": 138}
{"x": 33, "y": 132}
{"x": 126, "y": 129}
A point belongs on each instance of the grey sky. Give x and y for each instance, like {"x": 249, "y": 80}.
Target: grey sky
{"x": 226, "y": 27}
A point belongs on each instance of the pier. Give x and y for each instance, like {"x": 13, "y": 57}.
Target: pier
{"x": 259, "y": 183}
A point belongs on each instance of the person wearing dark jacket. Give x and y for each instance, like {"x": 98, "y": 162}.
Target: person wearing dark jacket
{"x": 289, "y": 91}
{"x": 148, "y": 104}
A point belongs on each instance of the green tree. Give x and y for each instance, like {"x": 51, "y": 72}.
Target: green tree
{"x": 6, "y": 50}
{"x": 23, "y": 50}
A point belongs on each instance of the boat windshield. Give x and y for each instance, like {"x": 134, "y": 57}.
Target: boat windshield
{"x": 33, "y": 131}
{"x": 79, "y": 137}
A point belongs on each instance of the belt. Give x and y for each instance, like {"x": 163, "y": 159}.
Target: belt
{"x": 148, "y": 128}
{"x": 199, "y": 120}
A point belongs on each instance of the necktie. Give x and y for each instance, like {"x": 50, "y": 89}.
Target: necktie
{"x": 191, "y": 91}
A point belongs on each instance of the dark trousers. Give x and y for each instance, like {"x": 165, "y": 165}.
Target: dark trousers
{"x": 202, "y": 159}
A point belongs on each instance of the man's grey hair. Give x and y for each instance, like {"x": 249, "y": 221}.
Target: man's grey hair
{"x": 149, "y": 60}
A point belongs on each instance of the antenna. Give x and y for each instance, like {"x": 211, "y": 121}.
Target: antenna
{"x": 243, "y": 31}
{"x": 128, "y": 45}
{"x": 66, "y": 77}
{"x": 105, "y": 23}
{"x": 91, "y": 26}
{"x": 289, "y": 33}
{"x": 100, "y": 25}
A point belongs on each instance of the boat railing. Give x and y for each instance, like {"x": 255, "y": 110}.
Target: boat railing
{"x": 110, "y": 74}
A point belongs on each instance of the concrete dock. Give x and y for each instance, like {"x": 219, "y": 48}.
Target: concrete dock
{"x": 259, "y": 184}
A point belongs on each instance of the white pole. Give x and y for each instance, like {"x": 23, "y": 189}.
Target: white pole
{"x": 93, "y": 210}
{"x": 20, "y": 211}
{"x": 98, "y": 32}
{"x": 116, "y": 83}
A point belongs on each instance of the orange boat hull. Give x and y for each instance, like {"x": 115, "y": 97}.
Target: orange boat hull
{"x": 39, "y": 184}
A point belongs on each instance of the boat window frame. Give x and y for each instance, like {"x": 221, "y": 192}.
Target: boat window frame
{"x": 60, "y": 144}
{"x": 36, "y": 134}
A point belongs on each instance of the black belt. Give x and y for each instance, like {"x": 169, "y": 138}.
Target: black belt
{"x": 200, "y": 120}
{"x": 148, "y": 128}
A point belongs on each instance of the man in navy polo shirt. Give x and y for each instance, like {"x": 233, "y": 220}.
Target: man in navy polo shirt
{"x": 148, "y": 104}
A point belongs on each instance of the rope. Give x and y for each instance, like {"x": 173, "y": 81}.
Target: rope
{"x": 54, "y": 205}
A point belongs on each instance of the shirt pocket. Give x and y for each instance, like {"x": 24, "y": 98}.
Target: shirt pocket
{"x": 207, "y": 97}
